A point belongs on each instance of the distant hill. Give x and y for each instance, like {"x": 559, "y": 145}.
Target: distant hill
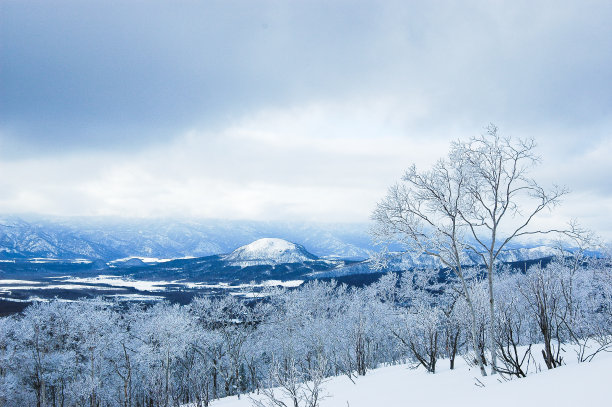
{"x": 278, "y": 259}
{"x": 269, "y": 251}
{"x": 262, "y": 260}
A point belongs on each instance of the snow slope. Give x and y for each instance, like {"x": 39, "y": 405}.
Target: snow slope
{"x": 585, "y": 384}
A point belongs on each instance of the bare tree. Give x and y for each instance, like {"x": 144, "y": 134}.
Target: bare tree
{"x": 543, "y": 292}
{"x": 502, "y": 200}
{"x": 515, "y": 325}
{"x": 478, "y": 201}
{"x": 419, "y": 332}
{"x": 424, "y": 214}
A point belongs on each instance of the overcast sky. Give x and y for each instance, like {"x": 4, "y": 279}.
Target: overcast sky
{"x": 303, "y": 110}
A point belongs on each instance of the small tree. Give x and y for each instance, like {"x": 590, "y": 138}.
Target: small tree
{"x": 515, "y": 326}
{"x": 419, "y": 332}
{"x": 296, "y": 384}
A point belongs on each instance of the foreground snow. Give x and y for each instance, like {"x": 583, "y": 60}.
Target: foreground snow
{"x": 585, "y": 384}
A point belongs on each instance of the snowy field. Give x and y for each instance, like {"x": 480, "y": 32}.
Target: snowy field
{"x": 584, "y": 384}
{"x": 17, "y": 294}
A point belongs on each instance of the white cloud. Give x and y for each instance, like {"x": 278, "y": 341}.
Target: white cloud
{"x": 328, "y": 161}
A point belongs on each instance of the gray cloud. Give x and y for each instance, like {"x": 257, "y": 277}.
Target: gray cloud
{"x": 281, "y": 109}
{"x": 115, "y": 74}
{"x": 102, "y": 73}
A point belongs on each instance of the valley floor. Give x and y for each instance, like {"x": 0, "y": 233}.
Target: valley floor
{"x": 584, "y": 384}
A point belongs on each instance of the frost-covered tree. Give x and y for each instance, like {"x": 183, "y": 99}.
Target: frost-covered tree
{"x": 478, "y": 200}
{"x": 542, "y": 289}
{"x": 418, "y": 327}
{"x": 515, "y": 326}
{"x": 423, "y": 213}
{"x": 502, "y": 200}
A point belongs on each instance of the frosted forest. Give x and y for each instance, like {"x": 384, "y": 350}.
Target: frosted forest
{"x": 101, "y": 354}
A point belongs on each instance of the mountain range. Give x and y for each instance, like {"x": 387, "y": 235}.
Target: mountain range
{"x": 111, "y": 238}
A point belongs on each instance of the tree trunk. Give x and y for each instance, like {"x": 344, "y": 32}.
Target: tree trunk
{"x": 468, "y": 299}
{"x": 453, "y": 350}
{"x": 167, "y": 377}
{"x": 492, "y": 319}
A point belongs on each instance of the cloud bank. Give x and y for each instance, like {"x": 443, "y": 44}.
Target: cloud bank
{"x": 289, "y": 110}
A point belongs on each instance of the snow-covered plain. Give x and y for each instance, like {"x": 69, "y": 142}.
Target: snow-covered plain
{"x": 140, "y": 285}
{"x": 584, "y": 384}
{"x": 267, "y": 283}
{"x": 44, "y": 260}
{"x": 18, "y": 282}
{"x": 8, "y": 289}
{"x": 145, "y": 285}
{"x": 117, "y": 283}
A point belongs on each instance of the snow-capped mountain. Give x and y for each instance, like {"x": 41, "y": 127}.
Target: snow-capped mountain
{"x": 262, "y": 260}
{"x": 110, "y": 239}
{"x": 21, "y": 239}
{"x": 269, "y": 251}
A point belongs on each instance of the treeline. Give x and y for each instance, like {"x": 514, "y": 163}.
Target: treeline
{"x": 95, "y": 353}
